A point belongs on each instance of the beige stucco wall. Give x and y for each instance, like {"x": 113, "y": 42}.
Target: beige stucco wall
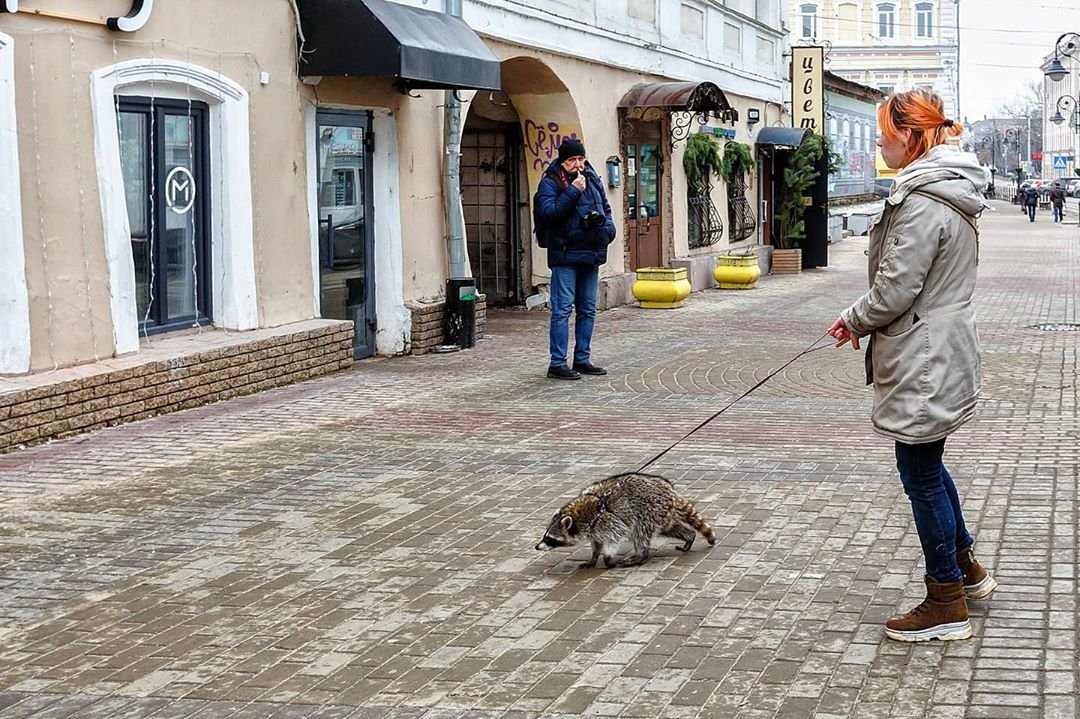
{"x": 63, "y": 230}
{"x": 595, "y": 91}
{"x": 680, "y": 207}
{"x": 419, "y": 120}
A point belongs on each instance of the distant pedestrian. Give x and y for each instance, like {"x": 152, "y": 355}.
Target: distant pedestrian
{"x": 1031, "y": 201}
{"x": 1057, "y": 199}
{"x": 578, "y": 227}
{"x": 923, "y": 353}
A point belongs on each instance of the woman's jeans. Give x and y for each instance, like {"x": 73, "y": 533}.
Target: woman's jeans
{"x": 573, "y": 288}
{"x": 936, "y": 507}
{"x": 1031, "y": 212}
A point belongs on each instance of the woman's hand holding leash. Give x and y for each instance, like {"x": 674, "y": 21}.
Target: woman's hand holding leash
{"x": 840, "y": 331}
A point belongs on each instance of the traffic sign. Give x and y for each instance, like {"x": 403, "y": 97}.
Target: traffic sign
{"x": 1061, "y": 162}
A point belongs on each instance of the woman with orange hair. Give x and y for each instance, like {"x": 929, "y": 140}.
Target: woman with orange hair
{"x": 923, "y": 352}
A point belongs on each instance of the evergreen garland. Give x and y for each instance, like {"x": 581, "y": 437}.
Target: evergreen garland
{"x": 799, "y": 177}
{"x": 702, "y": 155}
{"x": 738, "y": 160}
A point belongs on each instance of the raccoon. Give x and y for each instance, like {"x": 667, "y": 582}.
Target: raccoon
{"x": 631, "y": 506}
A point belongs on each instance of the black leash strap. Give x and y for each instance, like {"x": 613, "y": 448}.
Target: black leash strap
{"x": 728, "y": 406}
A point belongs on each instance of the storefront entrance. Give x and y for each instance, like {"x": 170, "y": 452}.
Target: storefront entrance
{"x": 644, "y": 208}
{"x": 491, "y": 199}
{"x": 164, "y": 157}
{"x": 346, "y": 238}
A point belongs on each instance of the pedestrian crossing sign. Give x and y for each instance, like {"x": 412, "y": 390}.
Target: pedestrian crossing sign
{"x": 1061, "y": 162}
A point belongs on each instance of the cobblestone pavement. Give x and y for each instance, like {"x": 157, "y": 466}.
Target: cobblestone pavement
{"x": 361, "y": 545}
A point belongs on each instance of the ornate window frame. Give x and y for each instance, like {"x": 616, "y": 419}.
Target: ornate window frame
{"x": 232, "y": 245}
{"x": 14, "y": 296}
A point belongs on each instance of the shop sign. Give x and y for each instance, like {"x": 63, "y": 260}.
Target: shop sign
{"x": 808, "y": 88}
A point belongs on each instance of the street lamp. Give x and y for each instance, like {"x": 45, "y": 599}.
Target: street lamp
{"x": 1067, "y": 44}
{"x": 1067, "y": 103}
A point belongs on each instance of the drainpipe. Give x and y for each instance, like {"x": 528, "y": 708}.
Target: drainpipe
{"x": 455, "y": 220}
{"x": 459, "y": 324}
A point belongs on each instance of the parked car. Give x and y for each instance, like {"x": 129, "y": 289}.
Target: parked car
{"x": 1072, "y": 187}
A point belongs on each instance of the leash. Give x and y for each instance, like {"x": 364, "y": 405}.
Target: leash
{"x": 729, "y": 405}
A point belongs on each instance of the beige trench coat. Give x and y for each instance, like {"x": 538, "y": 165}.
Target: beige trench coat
{"x": 923, "y": 355}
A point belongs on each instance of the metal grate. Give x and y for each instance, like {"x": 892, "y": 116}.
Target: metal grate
{"x": 1057, "y": 327}
{"x": 741, "y": 220}
{"x": 706, "y": 227}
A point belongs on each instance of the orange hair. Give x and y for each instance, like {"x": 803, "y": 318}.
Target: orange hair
{"x": 922, "y": 112}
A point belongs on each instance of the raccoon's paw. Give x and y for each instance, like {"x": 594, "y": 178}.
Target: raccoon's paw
{"x": 685, "y": 546}
{"x": 588, "y": 564}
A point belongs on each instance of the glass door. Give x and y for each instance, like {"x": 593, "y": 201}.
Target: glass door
{"x": 346, "y": 242}
{"x": 163, "y": 157}
{"x": 643, "y": 200}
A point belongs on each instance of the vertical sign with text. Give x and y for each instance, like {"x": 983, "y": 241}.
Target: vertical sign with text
{"x": 808, "y": 88}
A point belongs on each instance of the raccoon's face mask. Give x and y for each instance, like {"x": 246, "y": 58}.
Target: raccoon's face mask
{"x": 562, "y": 532}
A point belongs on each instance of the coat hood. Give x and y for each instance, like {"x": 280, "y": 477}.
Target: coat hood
{"x": 945, "y": 171}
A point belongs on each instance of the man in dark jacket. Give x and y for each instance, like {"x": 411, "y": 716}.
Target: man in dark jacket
{"x": 1057, "y": 199}
{"x": 1031, "y": 201}
{"x": 578, "y": 228}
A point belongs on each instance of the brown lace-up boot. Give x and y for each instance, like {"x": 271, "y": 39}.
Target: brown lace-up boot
{"x": 978, "y": 584}
{"x": 942, "y": 615}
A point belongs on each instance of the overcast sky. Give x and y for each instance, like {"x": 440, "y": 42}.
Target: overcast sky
{"x": 1002, "y": 43}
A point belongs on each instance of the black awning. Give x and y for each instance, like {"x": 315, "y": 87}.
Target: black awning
{"x": 782, "y": 136}
{"x": 423, "y": 49}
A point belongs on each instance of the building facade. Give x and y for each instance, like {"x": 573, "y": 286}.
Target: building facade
{"x": 194, "y": 194}
{"x": 1061, "y": 141}
{"x": 851, "y": 125}
{"x": 890, "y": 45}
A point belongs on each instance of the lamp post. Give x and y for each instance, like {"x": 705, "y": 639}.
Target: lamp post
{"x": 991, "y": 140}
{"x": 1069, "y": 104}
{"x": 1067, "y": 45}
{"x": 1012, "y": 136}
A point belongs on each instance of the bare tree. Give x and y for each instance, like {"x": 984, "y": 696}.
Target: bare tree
{"x": 1026, "y": 103}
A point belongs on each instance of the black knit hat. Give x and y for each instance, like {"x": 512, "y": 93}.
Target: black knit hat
{"x": 571, "y": 147}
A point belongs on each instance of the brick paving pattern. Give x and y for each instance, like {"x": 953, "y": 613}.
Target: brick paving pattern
{"x": 361, "y": 545}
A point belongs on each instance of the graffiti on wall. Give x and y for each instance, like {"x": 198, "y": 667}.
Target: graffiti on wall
{"x": 542, "y": 142}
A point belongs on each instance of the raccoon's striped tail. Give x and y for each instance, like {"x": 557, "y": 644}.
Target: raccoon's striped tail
{"x": 694, "y": 520}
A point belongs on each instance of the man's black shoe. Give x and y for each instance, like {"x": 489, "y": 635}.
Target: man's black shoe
{"x": 589, "y": 368}
{"x": 562, "y": 372}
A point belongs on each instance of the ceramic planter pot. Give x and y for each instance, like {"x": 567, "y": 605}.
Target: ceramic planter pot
{"x": 737, "y": 272}
{"x": 661, "y": 287}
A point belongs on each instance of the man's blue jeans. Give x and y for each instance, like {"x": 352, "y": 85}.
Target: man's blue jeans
{"x": 1031, "y": 212}
{"x": 573, "y": 288}
{"x": 1058, "y": 213}
{"x": 936, "y": 507}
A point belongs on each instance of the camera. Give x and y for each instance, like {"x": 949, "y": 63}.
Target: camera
{"x": 593, "y": 220}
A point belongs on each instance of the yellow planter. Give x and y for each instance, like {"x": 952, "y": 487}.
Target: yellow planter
{"x": 661, "y": 287}
{"x": 737, "y": 272}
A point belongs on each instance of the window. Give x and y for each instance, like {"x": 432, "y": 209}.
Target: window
{"x": 763, "y": 11}
{"x": 164, "y": 154}
{"x": 766, "y": 51}
{"x": 847, "y": 20}
{"x": 887, "y": 20}
{"x": 732, "y": 38}
{"x": 924, "y": 20}
{"x": 809, "y": 20}
{"x": 887, "y": 89}
{"x": 344, "y": 188}
{"x": 693, "y": 21}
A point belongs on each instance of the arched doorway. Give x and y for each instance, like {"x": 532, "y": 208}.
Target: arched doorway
{"x": 494, "y": 198}
{"x": 509, "y": 138}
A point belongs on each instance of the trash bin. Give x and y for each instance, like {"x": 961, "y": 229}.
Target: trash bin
{"x": 459, "y": 320}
